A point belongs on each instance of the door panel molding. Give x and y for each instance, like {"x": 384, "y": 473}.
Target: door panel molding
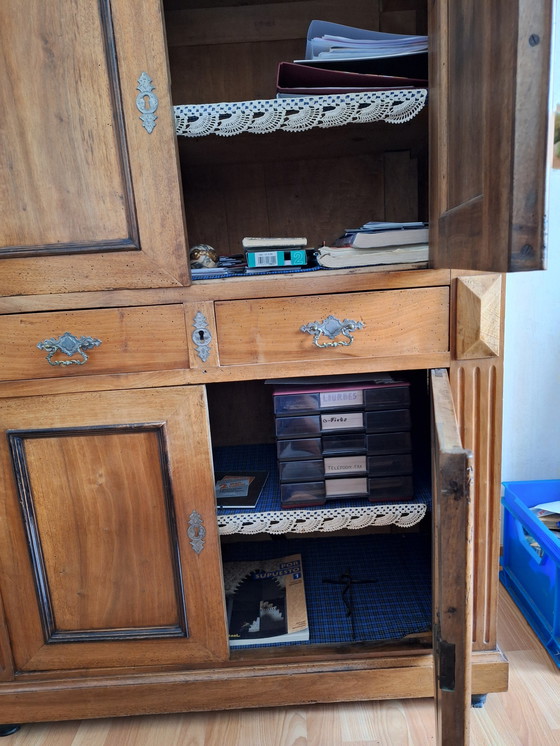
{"x": 17, "y": 440}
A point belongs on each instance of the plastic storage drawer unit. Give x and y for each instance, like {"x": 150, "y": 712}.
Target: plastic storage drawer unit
{"x": 531, "y": 559}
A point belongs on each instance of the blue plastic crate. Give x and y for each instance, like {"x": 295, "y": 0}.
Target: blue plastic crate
{"x": 531, "y": 574}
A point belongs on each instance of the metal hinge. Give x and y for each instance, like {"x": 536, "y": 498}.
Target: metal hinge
{"x": 446, "y": 659}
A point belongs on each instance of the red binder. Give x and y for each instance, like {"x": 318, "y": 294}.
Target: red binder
{"x": 294, "y": 79}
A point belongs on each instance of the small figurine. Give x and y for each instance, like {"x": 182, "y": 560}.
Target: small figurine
{"x": 203, "y": 256}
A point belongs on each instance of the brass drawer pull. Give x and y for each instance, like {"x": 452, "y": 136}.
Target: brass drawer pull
{"x": 332, "y": 327}
{"x": 69, "y": 345}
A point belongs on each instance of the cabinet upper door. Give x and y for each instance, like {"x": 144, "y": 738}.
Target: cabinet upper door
{"x": 109, "y": 546}
{"x": 489, "y": 68}
{"x": 90, "y": 188}
{"x": 452, "y": 581}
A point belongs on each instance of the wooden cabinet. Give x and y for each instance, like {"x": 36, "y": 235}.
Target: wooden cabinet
{"x": 110, "y": 556}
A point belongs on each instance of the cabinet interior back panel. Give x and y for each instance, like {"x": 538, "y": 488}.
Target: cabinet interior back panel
{"x": 57, "y": 188}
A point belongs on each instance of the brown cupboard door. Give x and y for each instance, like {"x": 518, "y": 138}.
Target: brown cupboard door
{"x": 109, "y": 547}
{"x": 452, "y": 568}
{"x": 90, "y": 190}
{"x": 489, "y": 68}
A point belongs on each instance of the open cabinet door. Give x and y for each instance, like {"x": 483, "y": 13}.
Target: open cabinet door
{"x": 452, "y": 568}
{"x": 489, "y": 77}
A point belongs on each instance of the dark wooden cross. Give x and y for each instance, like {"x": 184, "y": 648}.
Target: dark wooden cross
{"x": 347, "y": 581}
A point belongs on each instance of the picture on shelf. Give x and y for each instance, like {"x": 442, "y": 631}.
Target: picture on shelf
{"x": 239, "y": 489}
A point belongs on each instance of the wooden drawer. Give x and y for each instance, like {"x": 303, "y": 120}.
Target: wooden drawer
{"x": 395, "y": 322}
{"x": 132, "y": 340}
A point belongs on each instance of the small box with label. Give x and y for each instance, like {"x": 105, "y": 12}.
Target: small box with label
{"x": 291, "y": 400}
{"x": 336, "y": 466}
{"x": 374, "y": 489}
{"x": 298, "y": 449}
{"x": 273, "y": 258}
{"x": 382, "y": 421}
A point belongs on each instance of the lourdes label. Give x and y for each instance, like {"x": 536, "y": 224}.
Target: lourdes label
{"x": 340, "y": 398}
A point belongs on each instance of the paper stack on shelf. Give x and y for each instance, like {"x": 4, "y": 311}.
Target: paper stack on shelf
{"x": 327, "y": 41}
{"x": 344, "y": 59}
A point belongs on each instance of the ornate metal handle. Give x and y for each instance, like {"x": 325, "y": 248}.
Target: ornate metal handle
{"x": 69, "y": 345}
{"x": 147, "y": 102}
{"x": 332, "y": 327}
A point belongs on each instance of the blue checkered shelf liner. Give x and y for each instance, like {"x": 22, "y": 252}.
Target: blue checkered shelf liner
{"x": 396, "y": 600}
{"x": 263, "y": 458}
{"x": 253, "y": 273}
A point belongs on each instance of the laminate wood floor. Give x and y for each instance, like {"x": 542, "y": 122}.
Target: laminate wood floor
{"x": 527, "y": 715}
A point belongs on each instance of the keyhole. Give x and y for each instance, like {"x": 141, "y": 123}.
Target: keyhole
{"x": 201, "y": 335}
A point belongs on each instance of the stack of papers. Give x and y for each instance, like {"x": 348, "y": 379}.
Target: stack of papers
{"x": 333, "y": 41}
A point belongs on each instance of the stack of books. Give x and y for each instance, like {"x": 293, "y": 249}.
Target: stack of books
{"x": 378, "y": 243}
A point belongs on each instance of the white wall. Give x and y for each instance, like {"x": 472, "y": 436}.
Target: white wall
{"x": 531, "y": 432}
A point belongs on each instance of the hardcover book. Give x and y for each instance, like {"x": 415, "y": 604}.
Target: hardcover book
{"x": 265, "y": 601}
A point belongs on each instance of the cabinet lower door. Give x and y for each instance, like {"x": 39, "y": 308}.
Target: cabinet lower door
{"x": 452, "y": 567}
{"x": 109, "y": 547}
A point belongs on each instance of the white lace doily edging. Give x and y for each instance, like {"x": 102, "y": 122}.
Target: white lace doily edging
{"x": 298, "y": 114}
{"x": 328, "y": 519}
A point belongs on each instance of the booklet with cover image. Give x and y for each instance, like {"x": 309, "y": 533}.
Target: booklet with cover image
{"x": 266, "y": 601}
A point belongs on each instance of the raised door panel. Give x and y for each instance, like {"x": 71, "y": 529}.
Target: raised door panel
{"x": 488, "y": 133}
{"x": 452, "y": 576}
{"x": 109, "y": 548}
{"x": 90, "y": 188}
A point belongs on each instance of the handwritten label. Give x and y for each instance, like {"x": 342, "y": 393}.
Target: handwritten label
{"x": 345, "y": 464}
{"x": 342, "y": 421}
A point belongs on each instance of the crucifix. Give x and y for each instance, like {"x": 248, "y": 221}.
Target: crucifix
{"x": 347, "y": 582}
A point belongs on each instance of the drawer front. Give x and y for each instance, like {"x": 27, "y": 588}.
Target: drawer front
{"x": 388, "y": 323}
{"x": 114, "y": 340}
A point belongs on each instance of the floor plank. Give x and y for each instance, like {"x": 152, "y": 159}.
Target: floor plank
{"x": 526, "y": 715}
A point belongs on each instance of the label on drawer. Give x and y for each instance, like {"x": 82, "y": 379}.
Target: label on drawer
{"x": 344, "y": 487}
{"x": 340, "y": 398}
{"x": 342, "y": 421}
{"x": 344, "y": 464}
